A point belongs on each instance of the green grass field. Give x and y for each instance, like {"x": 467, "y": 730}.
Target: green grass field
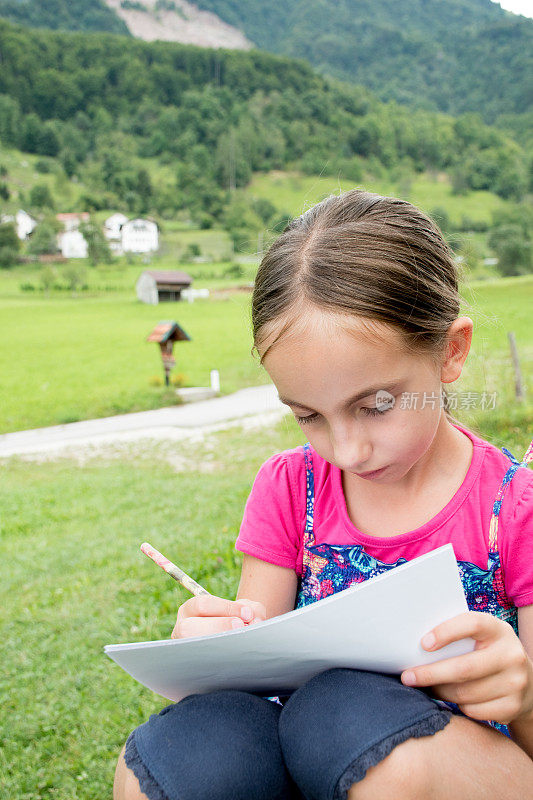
{"x": 68, "y": 358}
{"x": 65, "y": 358}
{"x": 72, "y": 579}
{"x": 295, "y": 193}
{"x": 71, "y": 575}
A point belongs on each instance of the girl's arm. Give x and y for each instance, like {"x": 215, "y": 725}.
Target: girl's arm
{"x": 269, "y": 584}
{"x": 522, "y": 730}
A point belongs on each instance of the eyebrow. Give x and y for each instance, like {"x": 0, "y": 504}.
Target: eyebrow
{"x": 391, "y": 387}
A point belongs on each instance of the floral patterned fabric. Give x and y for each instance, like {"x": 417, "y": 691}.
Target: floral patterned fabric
{"x": 329, "y": 568}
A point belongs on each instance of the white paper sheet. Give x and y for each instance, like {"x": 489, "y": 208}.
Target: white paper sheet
{"x": 376, "y": 625}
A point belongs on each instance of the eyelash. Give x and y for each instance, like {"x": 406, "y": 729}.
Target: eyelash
{"x": 368, "y": 412}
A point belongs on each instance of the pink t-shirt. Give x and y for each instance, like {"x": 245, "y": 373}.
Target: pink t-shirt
{"x": 274, "y": 517}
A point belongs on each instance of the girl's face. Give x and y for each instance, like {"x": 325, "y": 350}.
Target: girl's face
{"x": 366, "y": 403}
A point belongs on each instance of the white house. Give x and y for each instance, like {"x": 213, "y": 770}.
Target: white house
{"x": 113, "y": 224}
{"x": 72, "y": 244}
{"x": 139, "y": 236}
{"x": 25, "y": 224}
{"x": 71, "y": 221}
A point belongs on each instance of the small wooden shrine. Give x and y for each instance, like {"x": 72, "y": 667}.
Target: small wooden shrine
{"x": 165, "y": 334}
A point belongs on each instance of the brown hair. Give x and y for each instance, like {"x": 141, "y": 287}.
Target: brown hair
{"x": 357, "y": 253}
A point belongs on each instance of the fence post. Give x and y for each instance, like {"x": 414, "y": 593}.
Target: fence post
{"x": 518, "y": 385}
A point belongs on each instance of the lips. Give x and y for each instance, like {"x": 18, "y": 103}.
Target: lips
{"x": 373, "y": 473}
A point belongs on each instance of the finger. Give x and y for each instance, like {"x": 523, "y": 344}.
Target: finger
{"x": 503, "y": 709}
{"x": 477, "y": 625}
{"x": 205, "y": 626}
{"x": 483, "y": 690}
{"x": 258, "y": 608}
{"x": 460, "y": 669}
{"x": 208, "y": 605}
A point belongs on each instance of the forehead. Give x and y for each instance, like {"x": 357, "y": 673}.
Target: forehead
{"x": 319, "y": 328}
{"x": 332, "y": 352}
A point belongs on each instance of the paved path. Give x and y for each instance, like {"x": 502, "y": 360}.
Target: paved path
{"x": 189, "y": 421}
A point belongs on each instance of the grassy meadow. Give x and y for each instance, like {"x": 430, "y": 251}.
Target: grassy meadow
{"x": 71, "y": 575}
{"x": 295, "y": 193}
{"x": 72, "y": 579}
{"x": 66, "y": 358}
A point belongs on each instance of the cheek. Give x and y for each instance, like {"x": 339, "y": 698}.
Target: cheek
{"x": 414, "y": 432}
{"x": 318, "y": 437}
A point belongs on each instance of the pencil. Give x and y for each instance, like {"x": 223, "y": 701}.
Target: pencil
{"x": 174, "y": 571}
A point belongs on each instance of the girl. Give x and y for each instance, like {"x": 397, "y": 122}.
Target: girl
{"x": 356, "y": 319}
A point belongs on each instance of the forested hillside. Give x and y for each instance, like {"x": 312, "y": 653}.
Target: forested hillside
{"x": 69, "y": 15}
{"x": 218, "y": 116}
{"x": 450, "y": 55}
{"x": 455, "y": 56}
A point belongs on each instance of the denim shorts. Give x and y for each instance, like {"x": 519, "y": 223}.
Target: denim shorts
{"x": 234, "y": 745}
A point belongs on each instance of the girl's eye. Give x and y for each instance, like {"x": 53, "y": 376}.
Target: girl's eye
{"x": 374, "y": 412}
{"x": 304, "y": 420}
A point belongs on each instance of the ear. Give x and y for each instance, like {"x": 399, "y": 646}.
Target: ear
{"x": 459, "y": 338}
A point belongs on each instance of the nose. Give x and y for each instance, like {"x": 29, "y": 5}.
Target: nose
{"x": 351, "y": 448}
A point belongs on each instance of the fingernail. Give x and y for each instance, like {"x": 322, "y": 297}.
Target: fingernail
{"x": 237, "y": 623}
{"x": 428, "y": 640}
{"x": 409, "y": 678}
{"x": 247, "y": 614}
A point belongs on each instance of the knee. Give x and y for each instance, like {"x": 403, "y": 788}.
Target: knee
{"x": 405, "y": 773}
{"x": 218, "y": 745}
{"x": 126, "y": 786}
{"x": 351, "y": 720}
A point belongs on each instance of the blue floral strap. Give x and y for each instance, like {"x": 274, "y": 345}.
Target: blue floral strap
{"x": 309, "y": 536}
{"x": 507, "y": 478}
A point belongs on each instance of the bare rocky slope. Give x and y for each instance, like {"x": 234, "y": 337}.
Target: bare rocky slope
{"x": 178, "y": 21}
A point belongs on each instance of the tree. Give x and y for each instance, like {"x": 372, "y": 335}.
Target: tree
{"x": 8, "y": 236}
{"x": 242, "y": 224}
{"x": 9, "y": 245}
{"x": 74, "y": 274}
{"x": 460, "y": 185}
{"x": 40, "y": 196}
{"x": 512, "y": 249}
{"x": 42, "y": 240}
{"x": 442, "y": 218}
{"x": 38, "y": 136}
{"x": 47, "y": 278}
{"x": 9, "y": 120}
{"x": 144, "y": 190}
{"x": 97, "y": 246}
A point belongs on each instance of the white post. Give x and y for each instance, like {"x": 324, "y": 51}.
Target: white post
{"x": 215, "y": 380}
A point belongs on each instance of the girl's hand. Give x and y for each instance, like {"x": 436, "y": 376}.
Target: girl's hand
{"x": 205, "y": 614}
{"x": 493, "y": 682}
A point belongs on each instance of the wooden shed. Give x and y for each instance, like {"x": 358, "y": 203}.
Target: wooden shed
{"x": 158, "y": 286}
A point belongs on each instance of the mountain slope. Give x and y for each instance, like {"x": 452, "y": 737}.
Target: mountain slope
{"x": 224, "y": 114}
{"x": 447, "y": 55}
{"x": 72, "y": 15}
{"x": 443, "y": 55}
{"x": 178, "y": 21}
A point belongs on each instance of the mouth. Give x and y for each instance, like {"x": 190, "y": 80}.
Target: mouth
{"x": 372, "y": 474}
